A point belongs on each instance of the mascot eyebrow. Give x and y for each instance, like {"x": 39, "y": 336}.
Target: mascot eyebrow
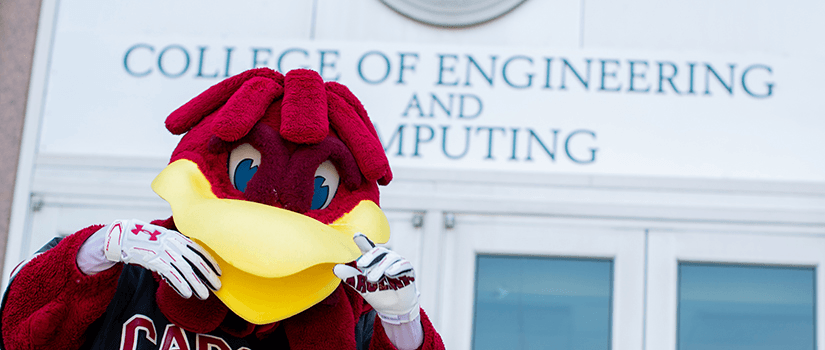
{"x": 310, "y": 108}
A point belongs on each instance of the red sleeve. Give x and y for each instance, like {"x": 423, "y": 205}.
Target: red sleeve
{"x": 380, "y": 341}
{"x": 50, "y": 303}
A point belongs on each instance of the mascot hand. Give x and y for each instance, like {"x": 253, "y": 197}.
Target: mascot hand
{"x": 385, "y": 280}
{"x": 183, "y": 264}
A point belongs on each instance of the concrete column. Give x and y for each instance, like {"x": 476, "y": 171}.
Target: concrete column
{"x": 18, "y": 30}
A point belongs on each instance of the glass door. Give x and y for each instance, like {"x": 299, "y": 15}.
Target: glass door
{"x": 514, "y": 282}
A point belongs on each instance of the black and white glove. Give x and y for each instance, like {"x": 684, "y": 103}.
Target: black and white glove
{"x": 182, "y": 263}
{"x": 385, "y": 280}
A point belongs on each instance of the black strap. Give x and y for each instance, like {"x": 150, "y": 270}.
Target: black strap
{"x": 363, "y": 330}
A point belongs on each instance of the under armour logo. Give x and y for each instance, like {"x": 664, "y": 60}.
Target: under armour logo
{"x": 153, "y": 235}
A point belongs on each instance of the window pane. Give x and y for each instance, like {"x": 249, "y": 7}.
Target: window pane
{"x": 735, "y": 307}
{"x": 542, "y": 303}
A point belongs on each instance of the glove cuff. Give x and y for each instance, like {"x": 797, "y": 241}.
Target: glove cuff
{"x": 112, "y": 248}
{"x": 399, "y": 319}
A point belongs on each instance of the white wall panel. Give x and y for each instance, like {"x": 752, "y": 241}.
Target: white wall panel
{"x": 192, "y": 18}
{"x": 609, "y": 196}
{"x": 740, "y": 26}
{"x": 534, "y": 22}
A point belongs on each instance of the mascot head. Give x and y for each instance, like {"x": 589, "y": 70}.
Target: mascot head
{"x": 273, "y": 177}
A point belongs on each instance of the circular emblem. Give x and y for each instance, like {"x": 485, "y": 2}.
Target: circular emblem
{"x": 452, "y": 13}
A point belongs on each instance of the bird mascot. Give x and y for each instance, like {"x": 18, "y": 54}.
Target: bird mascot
{"x": 274, "y": 196}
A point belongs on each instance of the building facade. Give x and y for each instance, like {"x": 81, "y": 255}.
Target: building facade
{"x": 569, "y": 174}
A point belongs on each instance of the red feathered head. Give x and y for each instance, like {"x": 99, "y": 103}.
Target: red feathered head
{"x": 273, "y": 176}
{"x": 296, "y": 122}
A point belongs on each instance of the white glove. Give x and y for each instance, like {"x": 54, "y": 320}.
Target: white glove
{"x": 385, "y": 280}
{"x": 183, "y": 264}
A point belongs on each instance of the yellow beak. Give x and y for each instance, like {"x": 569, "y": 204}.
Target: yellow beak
{"x": 276, "y": 263}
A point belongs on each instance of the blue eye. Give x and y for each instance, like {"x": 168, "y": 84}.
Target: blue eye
{"x": 320, "y": 194}
{"x": 243, "y": 164}
{"x": 326, "y": 185}
{"x": 244, "y": 173}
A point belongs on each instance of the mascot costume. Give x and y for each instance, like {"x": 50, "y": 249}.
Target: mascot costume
{"x": 274, "y": 196}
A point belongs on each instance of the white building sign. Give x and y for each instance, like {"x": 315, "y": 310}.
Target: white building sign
{"x": 536, "y": 110}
